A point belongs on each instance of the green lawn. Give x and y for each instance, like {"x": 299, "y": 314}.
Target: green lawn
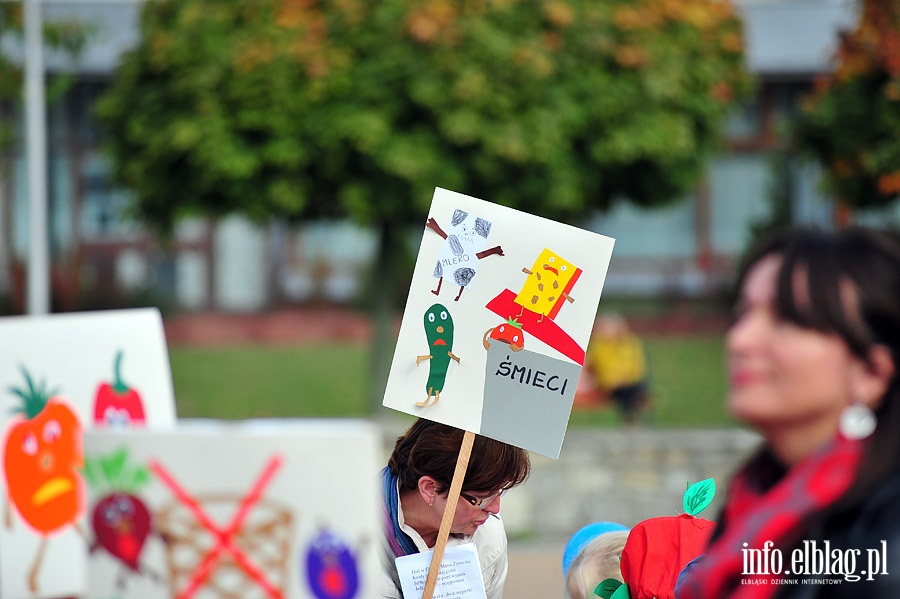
{"x": 688, "y": 382}
{"x": 256, "y": 382}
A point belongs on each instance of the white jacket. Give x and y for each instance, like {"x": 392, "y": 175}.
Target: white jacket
{"x": 489, "y": 539}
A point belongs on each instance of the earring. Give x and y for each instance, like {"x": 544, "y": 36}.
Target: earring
{"x": 430, "y": 504}
{"x": 857, "y": 421}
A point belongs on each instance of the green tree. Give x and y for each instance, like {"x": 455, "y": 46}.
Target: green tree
{"x": 851, "y": 123}
{"x": 299, "y": 108}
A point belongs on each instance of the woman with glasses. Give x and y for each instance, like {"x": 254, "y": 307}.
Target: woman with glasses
{"x": 415, "y": 486}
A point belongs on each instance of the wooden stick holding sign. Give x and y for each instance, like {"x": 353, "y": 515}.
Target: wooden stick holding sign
{"x": 462, "y": 464}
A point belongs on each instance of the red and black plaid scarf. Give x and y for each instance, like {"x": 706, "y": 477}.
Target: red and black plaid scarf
{"x": 756, "y": 512}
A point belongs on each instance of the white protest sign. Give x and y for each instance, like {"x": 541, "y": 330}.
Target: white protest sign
{"x": 498, "y": 318}
{"x": 60, "y": 375}
{"x": 285, "y": 509}
{"x": 460, "y": 575}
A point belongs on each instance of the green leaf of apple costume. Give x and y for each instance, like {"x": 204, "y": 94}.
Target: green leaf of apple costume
{"x": 698, "y": 496}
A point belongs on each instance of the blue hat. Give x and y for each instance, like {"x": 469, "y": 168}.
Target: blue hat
{"x": 584, "y": 536}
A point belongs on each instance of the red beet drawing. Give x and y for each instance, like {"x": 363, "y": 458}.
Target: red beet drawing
{"x": 121, "y": 524}
{"x": 120, "y": 519}
{"x": 117, "y": 405}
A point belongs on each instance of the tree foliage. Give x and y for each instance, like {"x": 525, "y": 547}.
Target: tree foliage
{"x": 851, "y": 123}
{"x": 297, "y": 108}
{"x": 67, "y": 36}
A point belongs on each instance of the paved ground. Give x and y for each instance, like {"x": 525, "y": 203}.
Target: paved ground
{"x": 535, "y": 571}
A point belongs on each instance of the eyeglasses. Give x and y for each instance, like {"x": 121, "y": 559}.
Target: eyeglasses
{"x": 482, "y": 503}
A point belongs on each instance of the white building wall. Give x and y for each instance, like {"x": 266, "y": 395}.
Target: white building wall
{"x": 739, "y": 188}
{"x": 241, "y": 279}
{"x": 655, "y": 248}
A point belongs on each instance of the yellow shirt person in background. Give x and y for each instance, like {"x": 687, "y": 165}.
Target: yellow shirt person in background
{"x": 618, "y": 363}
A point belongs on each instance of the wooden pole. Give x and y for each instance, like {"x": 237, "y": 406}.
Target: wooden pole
{"x": 462, "y": 463}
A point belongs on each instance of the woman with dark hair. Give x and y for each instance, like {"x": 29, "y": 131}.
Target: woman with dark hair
{"x": 415, "y": 485}
{"x": 812, "y": 361}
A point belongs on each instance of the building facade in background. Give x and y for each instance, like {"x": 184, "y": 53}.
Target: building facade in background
{"x": 101, "y": 259}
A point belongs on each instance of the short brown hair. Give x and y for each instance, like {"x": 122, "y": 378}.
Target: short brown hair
{"x": 431, "y": 449}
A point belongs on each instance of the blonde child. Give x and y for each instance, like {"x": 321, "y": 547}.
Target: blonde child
{"x": 595, "y": 562}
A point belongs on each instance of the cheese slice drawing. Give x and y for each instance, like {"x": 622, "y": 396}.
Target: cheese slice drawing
{"x": 549, "y": 283}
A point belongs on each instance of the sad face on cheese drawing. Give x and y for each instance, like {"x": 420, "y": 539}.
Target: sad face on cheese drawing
{"x": 549, "y": 282}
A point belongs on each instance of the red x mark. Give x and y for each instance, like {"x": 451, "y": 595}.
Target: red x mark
{"x": 224, "y": 536}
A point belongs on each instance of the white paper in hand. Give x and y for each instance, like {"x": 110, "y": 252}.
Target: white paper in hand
{"x": 460, "y": 575}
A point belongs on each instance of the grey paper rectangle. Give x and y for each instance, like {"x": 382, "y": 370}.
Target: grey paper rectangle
{"x": 527, "y": 399}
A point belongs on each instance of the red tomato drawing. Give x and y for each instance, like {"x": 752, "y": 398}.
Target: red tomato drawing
{"x": 510, "y": 332}
{"x": 117, "y": 405}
